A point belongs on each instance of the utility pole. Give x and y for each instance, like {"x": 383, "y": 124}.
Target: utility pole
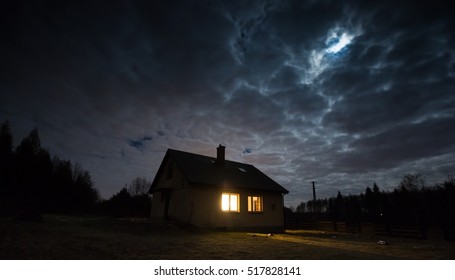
{"x": 314, "y": 192}
{"x": 314, "y": 203}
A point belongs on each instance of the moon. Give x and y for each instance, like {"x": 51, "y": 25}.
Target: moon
{"x": 337, "y": 43}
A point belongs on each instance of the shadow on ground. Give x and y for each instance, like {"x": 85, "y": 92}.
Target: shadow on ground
{"x": 68, "y": 237}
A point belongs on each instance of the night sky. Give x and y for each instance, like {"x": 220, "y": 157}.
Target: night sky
{"x": 343, "y": 93}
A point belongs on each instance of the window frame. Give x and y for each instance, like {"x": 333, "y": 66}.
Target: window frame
{"x": 229, "y": 203}
{"x": 252, "y": 206}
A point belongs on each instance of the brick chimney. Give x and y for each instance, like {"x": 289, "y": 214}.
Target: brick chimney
{"x": 220, "y": 155}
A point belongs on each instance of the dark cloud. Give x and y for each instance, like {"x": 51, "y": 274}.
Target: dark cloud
{"x": 139, "y": 144}
{"x": 404, "y": 143}
{"x": 247, "y": 151}
{"x": 113, "y": 85}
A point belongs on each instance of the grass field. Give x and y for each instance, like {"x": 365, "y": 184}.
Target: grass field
{"x": 68, "y": 237}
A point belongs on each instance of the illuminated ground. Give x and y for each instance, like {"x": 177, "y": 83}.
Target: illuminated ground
{"x": 62, "y": 237}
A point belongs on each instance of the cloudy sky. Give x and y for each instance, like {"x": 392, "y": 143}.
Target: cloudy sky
{"x": 343, "y": 93}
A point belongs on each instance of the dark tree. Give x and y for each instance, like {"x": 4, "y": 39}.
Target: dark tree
{"x": 353, "y": 209}
{"x": 6, "y": 168}
{"x": 27, "y": 165}
{"x": 6, "y": 141}
{"x": 131, "y": 201}
{"x": 372, "y": 203}
{"x": 375, "y": 189}
{"x": 84, "y": 190}
{"x": 61, "y": 188}
{"x": 412, "y": 182}
{"x": 72, "y": 188}
{"x": 32, "y": 183}
{"x": 119, "y": 205}
{"x": 139, "y": 186}
{"x": 414, "y": 204}
{"x": 301, "y": 208}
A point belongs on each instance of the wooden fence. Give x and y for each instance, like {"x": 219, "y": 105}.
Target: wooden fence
{"x": 305, "y": 222}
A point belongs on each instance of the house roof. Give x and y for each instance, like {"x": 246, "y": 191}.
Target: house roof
{"x": 202, "y": 170}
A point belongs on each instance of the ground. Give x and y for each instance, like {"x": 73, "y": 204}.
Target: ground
{"x": 69, "y": 237}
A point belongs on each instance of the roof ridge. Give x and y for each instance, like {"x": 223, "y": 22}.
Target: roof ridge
{"x": 214, "y": 158}
{"x": 202, "y": 169}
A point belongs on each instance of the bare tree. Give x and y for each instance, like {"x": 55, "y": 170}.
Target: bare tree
{"x": 412, "y": 182}
{"x": 139, "y": 186}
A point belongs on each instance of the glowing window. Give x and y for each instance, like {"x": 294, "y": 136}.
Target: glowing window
{"x": 230, "y": 202}
{"x": 254, "y": 204}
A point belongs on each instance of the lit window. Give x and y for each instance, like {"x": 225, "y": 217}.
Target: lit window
{"x": 254, "y": 204}
{"x": 230, "y": 202}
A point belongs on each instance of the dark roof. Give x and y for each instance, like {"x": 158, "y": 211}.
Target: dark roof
{"x": 202, "y": 170}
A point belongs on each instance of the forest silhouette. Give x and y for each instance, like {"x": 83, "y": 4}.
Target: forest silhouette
{"x": 33, "y": 182}
{"x": 411, "y": 203}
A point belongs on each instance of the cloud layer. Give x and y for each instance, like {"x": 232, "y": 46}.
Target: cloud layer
{"x": 342, "y": 93}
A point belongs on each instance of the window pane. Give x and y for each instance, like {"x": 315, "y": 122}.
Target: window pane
{"x": 234, "y": 204}
{"x": 225, "y": 202}
{"x": 254, "y": 203}
{"x": 230, "y": 202}
{"x": 258, "y": 204}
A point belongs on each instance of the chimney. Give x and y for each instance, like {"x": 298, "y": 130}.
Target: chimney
{"x": 220, "y": 155}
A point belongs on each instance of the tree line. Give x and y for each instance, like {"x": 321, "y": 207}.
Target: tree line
{"x": 131, "y": 201}
{"x": 33, "y": 182}
{"x": 411, "y": 202}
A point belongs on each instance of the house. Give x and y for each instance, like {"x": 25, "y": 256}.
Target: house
{"x": 216, "y": 193}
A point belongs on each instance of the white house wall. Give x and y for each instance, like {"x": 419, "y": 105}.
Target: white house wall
{"x": 201, "y": 205}
{"x": 207, "y": 209}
